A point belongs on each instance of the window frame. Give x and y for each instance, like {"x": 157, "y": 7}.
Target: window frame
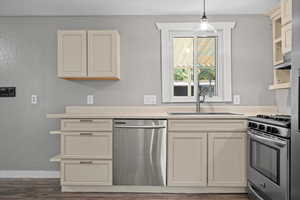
{"x": 168, "y": 31}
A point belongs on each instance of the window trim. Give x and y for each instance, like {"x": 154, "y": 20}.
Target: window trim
{"x": 224, "y": 33}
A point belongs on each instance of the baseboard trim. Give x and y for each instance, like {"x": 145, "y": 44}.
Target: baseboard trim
{"x": 154, "y": 189}
{"x": 28, "y": 174}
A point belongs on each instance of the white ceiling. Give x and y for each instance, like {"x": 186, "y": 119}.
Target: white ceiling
{"x": 132, "y": 7}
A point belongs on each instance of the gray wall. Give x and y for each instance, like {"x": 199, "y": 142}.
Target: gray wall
{"x": 28, "y": 61}
{"x": 283, "y": 101}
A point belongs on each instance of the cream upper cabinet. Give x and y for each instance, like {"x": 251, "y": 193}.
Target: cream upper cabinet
{"x": 227, "y": 159}
{"x": 187, "y": 159}
{"x": 287, "y": 38}
{"x": 103, "y": 54}
{"x": 71, "y": 54}
{"x": 88, "y": 55}
{"x": 277, "y": 36}
{"x": 286, "y": 11}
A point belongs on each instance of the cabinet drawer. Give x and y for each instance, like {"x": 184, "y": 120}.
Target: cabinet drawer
{"x": 86, "y": 125}
{"x": 207, "y": 125}
{"x": 86, "y": 145}
{"x": 86, "y": 172}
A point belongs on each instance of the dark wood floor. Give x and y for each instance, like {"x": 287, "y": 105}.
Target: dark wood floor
{"x": 49, "y": 189}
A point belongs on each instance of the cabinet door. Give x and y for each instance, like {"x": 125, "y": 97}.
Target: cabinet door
{"x": 286, "y": 11}
{"x": 187, "y": 159}
{"x": 103, "y": 54}
{"x": 71, "y": 54}
{"x": 287, "y": 38}
{"x": 227, "y": 159}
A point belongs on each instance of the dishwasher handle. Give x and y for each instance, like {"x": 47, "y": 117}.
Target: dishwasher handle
{"x": 142, "y": 127}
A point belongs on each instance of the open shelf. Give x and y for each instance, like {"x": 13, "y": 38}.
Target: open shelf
{"x": 55, "y": 132}
{"x": 283, "y": 66}
{"x": 56, "y": 158}
{"x": 282, "y": 78}
{"x": 280, "y": 86}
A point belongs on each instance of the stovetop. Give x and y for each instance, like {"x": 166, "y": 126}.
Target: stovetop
{"x": 279, "y": 125}
{"x": 276, "y": 120}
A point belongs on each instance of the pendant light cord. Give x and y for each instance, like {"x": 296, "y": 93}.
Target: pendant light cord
{"x": 204, "y": 13}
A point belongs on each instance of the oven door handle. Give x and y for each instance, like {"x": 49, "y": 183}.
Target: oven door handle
{"x": 268, "y": 139}
{"x": 254, "y": 192}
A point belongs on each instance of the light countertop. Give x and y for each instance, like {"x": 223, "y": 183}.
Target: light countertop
{"x": 159, "y": 112}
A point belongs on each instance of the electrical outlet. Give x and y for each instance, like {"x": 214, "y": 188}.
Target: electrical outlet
{"x": 150, "y": 99}
{"x": 34, "y": 99}
{"x": 236, "y": 99}
{"x": 90, "y": 99}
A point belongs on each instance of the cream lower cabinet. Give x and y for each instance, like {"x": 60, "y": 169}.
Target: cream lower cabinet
{"x": 227, "y": 159}
{"x": 86, "y": 152}
{"x": 208, "y": 153}
{"x": 187, "y": 159}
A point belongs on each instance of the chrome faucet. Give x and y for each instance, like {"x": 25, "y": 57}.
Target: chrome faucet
{"x": 198, "y": 101}
{"x": 202, "y": 91}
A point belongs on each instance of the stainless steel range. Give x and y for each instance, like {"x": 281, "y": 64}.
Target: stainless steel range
{"x": 269, "y": 157}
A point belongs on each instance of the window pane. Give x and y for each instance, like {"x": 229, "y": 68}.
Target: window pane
{"x": 183, "y": 66}
{"x": 207, "y": 64}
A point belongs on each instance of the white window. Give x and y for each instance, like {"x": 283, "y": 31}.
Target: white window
{"x": 188, "y": 60}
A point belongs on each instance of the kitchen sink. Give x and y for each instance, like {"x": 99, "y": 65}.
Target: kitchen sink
{"x": 202, "y": 113}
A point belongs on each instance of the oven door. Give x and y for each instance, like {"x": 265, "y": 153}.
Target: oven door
{"x": 268, "y": 166}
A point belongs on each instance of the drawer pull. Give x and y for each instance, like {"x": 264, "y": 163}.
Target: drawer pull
{"x": 86, "y": 162}
{"x": 86, "y": 134}
{"x": 86, "y": 120}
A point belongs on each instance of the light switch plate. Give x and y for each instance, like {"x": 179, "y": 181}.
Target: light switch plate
{"x": 149, "y": 99}
{"x": 34, "y": 99}
{"x": 236, "y": 99}
{"x": 90, "y": 99}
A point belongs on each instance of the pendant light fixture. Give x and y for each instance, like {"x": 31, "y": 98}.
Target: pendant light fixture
{"x": 205, "y": 29}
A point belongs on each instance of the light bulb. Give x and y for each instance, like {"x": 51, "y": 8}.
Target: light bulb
{"x": 203, "y": 25}
{"x": 205, "y": 29}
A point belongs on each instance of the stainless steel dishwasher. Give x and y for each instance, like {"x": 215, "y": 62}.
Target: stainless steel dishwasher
{"x": 139, "y": 152}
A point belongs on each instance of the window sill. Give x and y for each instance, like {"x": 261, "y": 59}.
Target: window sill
{"x": 194, "y": 101}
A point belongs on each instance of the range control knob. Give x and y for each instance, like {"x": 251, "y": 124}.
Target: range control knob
{"x": 252, "y": 125}
{"x": 275, "y": 130}
{"x": 255, "y": 125}
{"x": 261, "y": 127}
{"x": 269, "y": 129}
